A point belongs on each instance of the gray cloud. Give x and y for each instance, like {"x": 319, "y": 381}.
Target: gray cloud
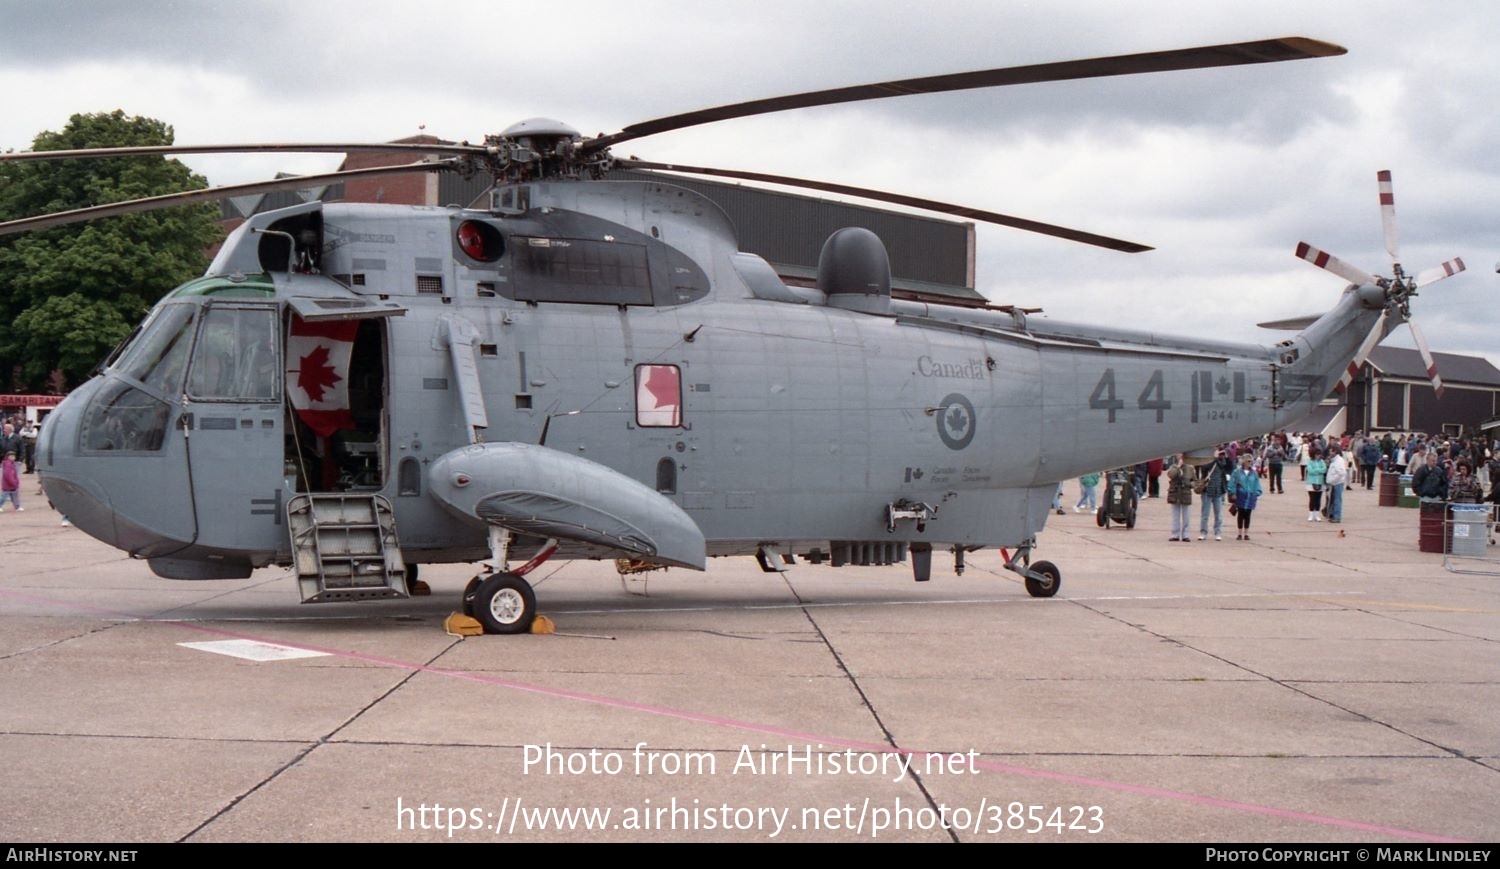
{"x": 1224, "y": 170}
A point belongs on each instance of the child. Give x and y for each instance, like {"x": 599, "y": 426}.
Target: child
{"x": 10, "y": 482}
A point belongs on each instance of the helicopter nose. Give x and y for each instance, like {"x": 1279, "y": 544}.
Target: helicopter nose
{"x": 98, "y": 493}
{"x": 76, "y": 497}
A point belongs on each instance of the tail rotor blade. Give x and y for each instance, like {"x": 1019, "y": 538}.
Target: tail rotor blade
{"x": 1427, "y": 361}
{"x": 1438, "y": 272}
{"x": 1388, "y": 213}
{"x": 1329, "y": 262}
{"x": 1359, "y": 358}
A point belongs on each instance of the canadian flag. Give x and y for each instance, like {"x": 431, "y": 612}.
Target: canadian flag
{"x": 658, "y": 395}
{"x": 317, "y": 368}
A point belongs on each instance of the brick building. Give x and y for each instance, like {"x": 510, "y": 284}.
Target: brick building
{"x": 1392, "y": 393}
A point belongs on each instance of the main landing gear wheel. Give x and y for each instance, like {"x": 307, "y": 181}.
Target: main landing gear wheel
{"x": 1047, "y": 587}
{"x": 504, "y": 603}
{"x": 468, "y": 598}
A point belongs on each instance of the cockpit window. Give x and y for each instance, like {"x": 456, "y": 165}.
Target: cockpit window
{"x": 158, "y": 356}
{"x": 119, "y": 350}
{"x": 123, "y": 418}
{"x": 235, "y": 357}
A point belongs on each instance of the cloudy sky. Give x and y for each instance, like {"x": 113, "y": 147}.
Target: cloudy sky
{"x": 1223, "y": 171}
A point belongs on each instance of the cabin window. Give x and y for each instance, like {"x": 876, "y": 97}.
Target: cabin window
{"x": 658, "y": 396}
{"x": 235, "y": 357}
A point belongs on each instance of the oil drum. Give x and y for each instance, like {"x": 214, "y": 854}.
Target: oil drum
{"x": 1432, "y": 524}
{"x": 1390, "y": 491}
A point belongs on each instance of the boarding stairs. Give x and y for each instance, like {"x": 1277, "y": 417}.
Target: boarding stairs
{"x": 344, "y": 547}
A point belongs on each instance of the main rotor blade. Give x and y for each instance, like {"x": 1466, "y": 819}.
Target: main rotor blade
{"x": 1233, "y": 54}
{"x": 1427, "y": 361}
{"x": 1329, "y": 262}
{"x": 1440, "y": 271}
{"x": 172, "y": 200}
{"x": 1388, "y": 213}
{"x": 296, "y": 148}
{"x": 900, "y": 199}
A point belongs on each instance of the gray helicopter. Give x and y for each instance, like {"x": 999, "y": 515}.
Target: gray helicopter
{"x": 593, "y": 369}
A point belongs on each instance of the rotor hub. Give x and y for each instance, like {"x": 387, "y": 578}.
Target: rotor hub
{"x": 540, "y": 127}
{"x": 541, "y": 148}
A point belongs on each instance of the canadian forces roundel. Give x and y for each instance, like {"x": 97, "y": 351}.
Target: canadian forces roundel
{"x": 956, "y": 421}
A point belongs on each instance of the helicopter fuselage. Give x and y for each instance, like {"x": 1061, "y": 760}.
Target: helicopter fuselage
{"x": 616, "y": 324}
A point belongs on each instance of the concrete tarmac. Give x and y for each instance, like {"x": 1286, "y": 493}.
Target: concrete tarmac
{"x": 1318, "y": 683}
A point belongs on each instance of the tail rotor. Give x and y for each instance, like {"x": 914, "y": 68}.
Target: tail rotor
{"x": 1399, "y": 288}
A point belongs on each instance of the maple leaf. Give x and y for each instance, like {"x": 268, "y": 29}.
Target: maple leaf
{"x": 957, "y": 419}
{"x": 315, "y": 374}
{"x": 661, "y": 382}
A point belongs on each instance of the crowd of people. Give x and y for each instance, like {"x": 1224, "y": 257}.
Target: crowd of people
{"x": 17, "y": 449}
{"x": 1456, "y": 470}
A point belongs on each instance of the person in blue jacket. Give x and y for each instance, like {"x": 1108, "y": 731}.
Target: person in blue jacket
{"x": 1317, "y": 467}
{"x": 1244, "y": 491}
{"x": 1369, "y": 457}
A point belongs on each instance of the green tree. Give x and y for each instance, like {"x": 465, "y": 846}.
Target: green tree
{"x": 71, "y": 333}
{"x": 72, "y": 292}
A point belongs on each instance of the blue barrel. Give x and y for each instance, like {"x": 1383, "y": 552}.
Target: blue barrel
{"x": 1470, "y": 529}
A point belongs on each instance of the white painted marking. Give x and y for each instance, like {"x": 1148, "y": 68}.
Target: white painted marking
{"x": 253, "y": 650}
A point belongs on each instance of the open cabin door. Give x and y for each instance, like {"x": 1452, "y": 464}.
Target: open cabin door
{"x": 337, "y": 347}
{"x": 341, "y": 529}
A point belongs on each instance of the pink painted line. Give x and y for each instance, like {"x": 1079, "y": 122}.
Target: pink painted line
{"x": 767, "y": 729}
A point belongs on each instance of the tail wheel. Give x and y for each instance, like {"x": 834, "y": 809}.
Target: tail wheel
{"x": 1048, "y": 585}
{"x": 504, "y": 603}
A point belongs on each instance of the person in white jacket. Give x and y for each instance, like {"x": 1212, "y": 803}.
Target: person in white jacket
{"x": 1336, "y": 479}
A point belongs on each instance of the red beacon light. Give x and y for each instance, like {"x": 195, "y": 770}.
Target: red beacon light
{"x": 471, "y": 241}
